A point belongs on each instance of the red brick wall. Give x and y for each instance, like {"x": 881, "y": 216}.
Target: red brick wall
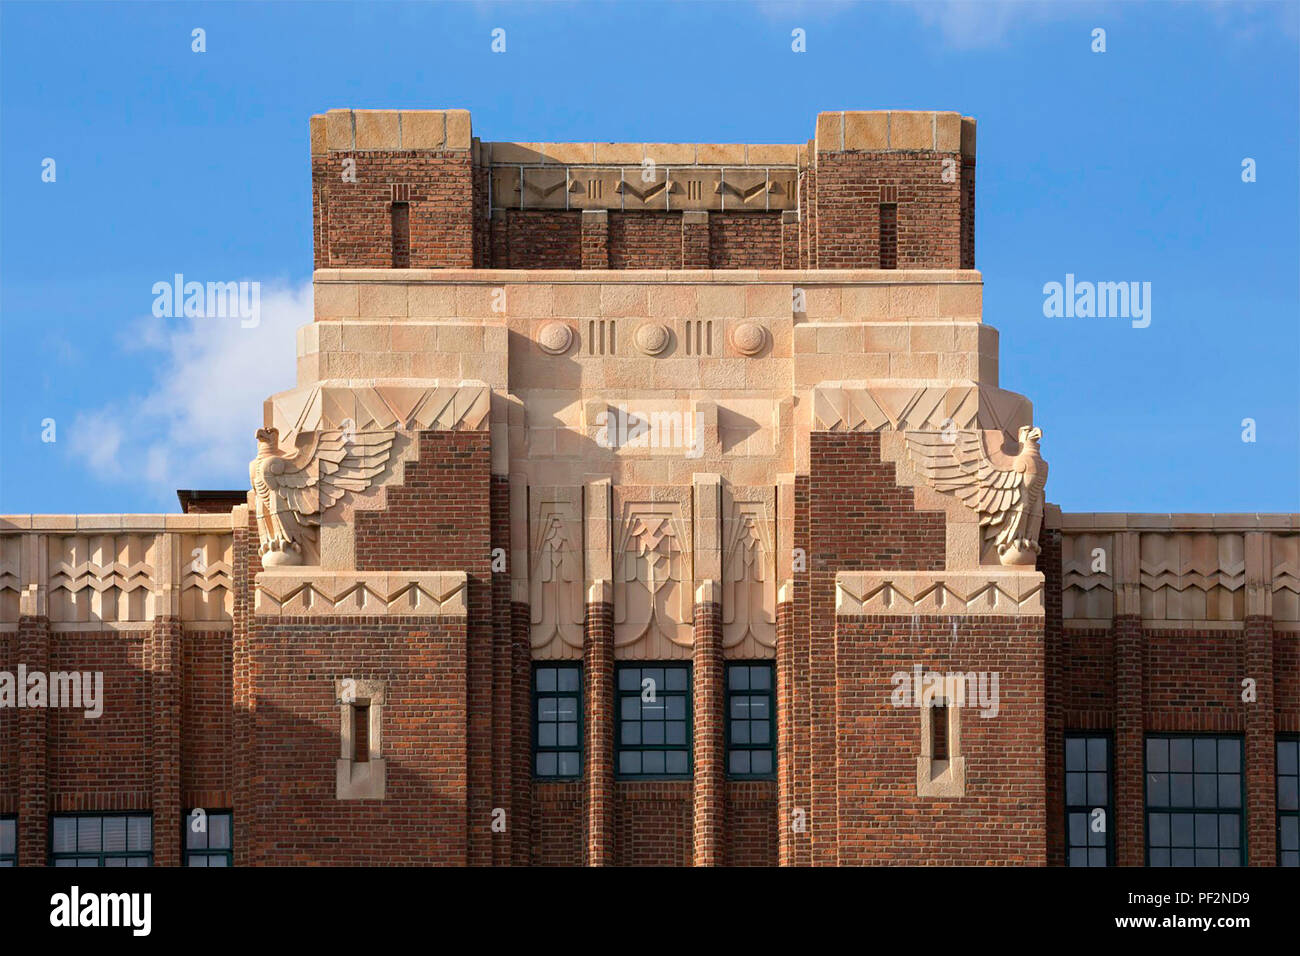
{"x": 652, "y": 823}
{"x": 645, "y": 240}
{"x": 850, "y": 187}
{"x": 861, "y": 518}
{"x": 352, "y": 220}
{"x": 858, "y": 518}
{"x": 9, "y": 730}
{"x": 967, "y": 212}
{"x": 751, "y": 837}
{"x": 452, "y": 227}
{"x": 440, "y": 518}
{"x": 543, "y": 239}
{"x": 422, "y": 819}
{"x": 556, "y": 824}
{"x": 1286, "y": 678}
{"x": 1191, "y": 680}
{"x": 1089, "y": 687}
{"x": 745, "y": 240}
{"x": 881, "y": 820}
{"x": 103, "y": 763}
{"x": 207, "y": 719}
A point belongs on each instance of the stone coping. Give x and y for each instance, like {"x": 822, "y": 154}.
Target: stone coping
{"x": 348, "y": 130}
{"x": 203, "y": 523}
{"x": 1120, "y": 521}
{"x": 878, "y": 130}
{"x": 887, "y": 277}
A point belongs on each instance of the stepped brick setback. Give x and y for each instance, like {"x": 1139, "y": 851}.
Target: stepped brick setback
{"x": 648, "y": 504}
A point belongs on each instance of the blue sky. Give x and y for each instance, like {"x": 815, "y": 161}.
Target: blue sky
{"x": 1115, "y": 166}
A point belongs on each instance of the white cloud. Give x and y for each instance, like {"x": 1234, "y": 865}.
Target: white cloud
{"x": 971, "y": 24}
{"x": 193, "y": 426}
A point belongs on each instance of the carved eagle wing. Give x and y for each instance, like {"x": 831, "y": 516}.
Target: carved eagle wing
{"x": 992, "y": 484}
{"x": 331, "y": 464}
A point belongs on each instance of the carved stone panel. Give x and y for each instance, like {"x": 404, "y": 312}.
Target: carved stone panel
{"x": 1286, "y": 577}
{"x": 694, "y": 188}
{"x": 1193, "y": 576}
{"x": 102, "y": 577}
{"x": 545, "y": 188}
{"x": 653, "y": 601}
{"x": 205, "y": 562}
{"x": 749, "y": 573}
{"x": 1087, "y": 566}
{"x": 11, "y": 549}
{"x": 555, "y": 572}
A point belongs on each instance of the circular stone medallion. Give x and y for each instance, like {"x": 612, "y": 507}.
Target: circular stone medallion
{"x": 748, "y": 338}
{"x": 652, "y": 338}
{"x": 555, "y": 338}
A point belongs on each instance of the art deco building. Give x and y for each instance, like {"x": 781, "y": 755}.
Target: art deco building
{"x": 632, "y": 504}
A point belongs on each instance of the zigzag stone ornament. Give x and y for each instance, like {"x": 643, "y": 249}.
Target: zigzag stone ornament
{"x": 1006, "y": 491}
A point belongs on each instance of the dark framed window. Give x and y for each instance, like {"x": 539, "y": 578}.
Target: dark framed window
{"x": 210, "y": 842}
{"x": 8, "y": 841}
{"x": 1089, "y": 801}
{"x": 751, "y": 719}
{"x": 1288, "y": 801}
{"x": 1195, "y": 791}
{"x": 654, "y": 720}
{"x": 101, "y": 839}
{"x": 557, "y": 720}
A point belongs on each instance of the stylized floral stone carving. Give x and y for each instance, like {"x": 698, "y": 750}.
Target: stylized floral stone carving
{"x": 748, "y": 338}
{"x": 555, "y": 338}
{"x": 652, "y": 338}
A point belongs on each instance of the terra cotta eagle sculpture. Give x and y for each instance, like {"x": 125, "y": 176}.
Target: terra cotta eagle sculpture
{"x": 294, "y": 488}
{"x": 1006, "y": 490}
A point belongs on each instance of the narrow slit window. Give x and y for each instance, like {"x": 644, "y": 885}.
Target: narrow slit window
{"x": 361, "y": 732}
{"x": 889, "y": 235}
{"x": 401, "y": 217}
{"x": 939, "y": 732}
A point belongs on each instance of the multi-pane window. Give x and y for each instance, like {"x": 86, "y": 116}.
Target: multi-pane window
{"x": 751, "y": 723}
{"x": 1288, "y": 802}
{"x": 557, "y": 720}
{"x": 116, "y": 839}
{"x": 8, "y": 841}
{"x": 1194, "y": 801}
{"x": 654, "y": 720}
{"x": 208, "y": 838}
{"x": 1088, "y": 802}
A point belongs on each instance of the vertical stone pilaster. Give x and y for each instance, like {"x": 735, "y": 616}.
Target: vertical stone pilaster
{"x": 595, "y": 239}
{"x": 709, "y": 746}
{"x": 598, "y": 718}
{"x": 696, "y": 250}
